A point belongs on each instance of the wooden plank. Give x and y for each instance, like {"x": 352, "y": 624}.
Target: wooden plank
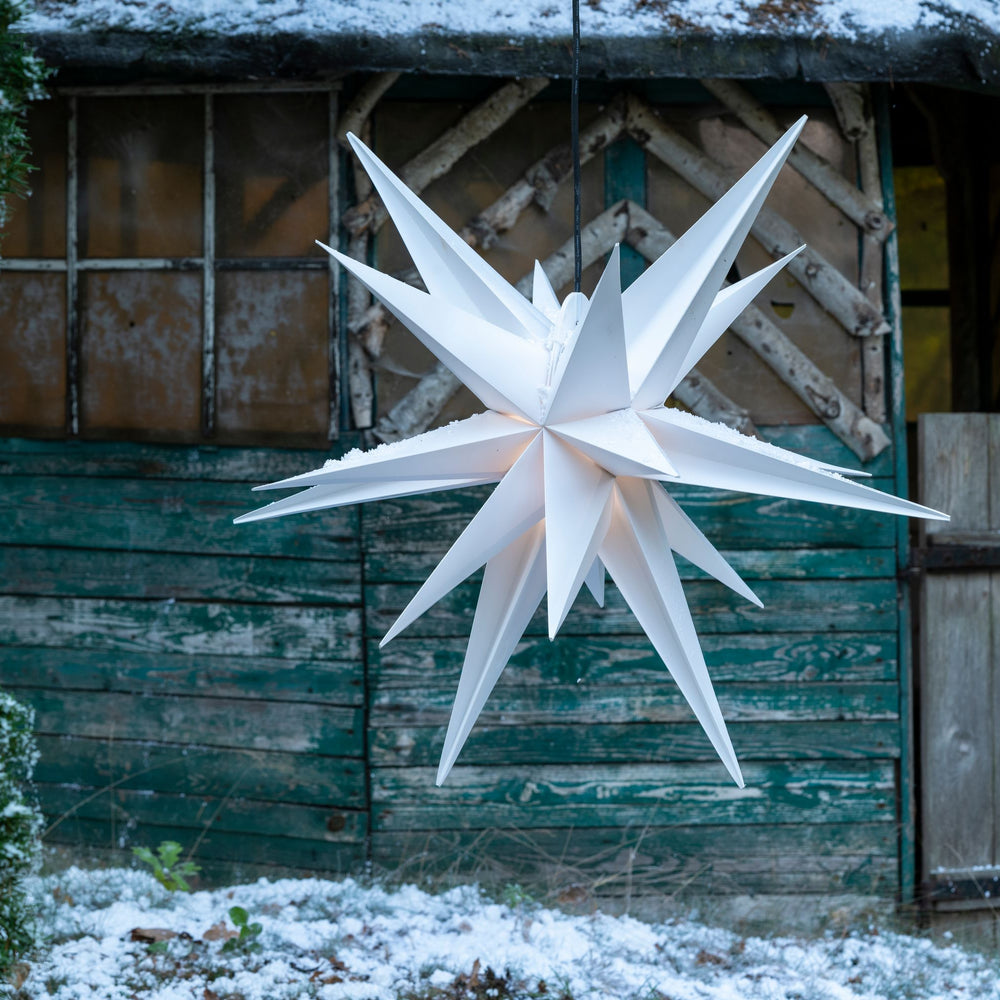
{"x": 793, "y": 859}
{"x": 731, "y": 520}
{"x": 957, "y": 721}
{"x": 221, "y": 722}
{"x": 803, "y": 792}
{"x": 799, "y": 605}
{"x": 335, "y": 682}
{"x": 234, "y": 849}
{"x": 954, "y": 453}
{"x": 767, "y": 657}
{"x": 152, "y": 515}
{"x": 126, "y": 459}
{"x": 663, "y": 703}
{"x": 230, "y": 814}
{"x": 387, "y": 566}
{"x": 820, "y": 443}
{"x": 175, "y": 627}
{"x": 304, "y": 778}
{"x": 89, "y": 573}
{"x": 634, "y": 742}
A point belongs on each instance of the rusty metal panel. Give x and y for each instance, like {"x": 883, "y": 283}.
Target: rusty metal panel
{"x": 140, "y": 167}
{"x": 271, "y": 164}
{"x": 271, "y": 338}
{"x": 140, "y": 353}
{"x": 32, "y": 352}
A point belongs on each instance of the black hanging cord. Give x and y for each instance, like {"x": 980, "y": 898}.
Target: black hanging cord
{"x": 574, "y": 127}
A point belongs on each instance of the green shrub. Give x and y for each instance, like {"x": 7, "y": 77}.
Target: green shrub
{"x": 20, "y": 827}
{"x": 22, "y": 74}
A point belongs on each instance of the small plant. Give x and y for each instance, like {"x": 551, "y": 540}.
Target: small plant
{"x": 166, "y": 869}
{"x": 246, "y": 940}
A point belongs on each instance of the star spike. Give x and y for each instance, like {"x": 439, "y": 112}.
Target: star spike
{"x": 451, "y": 270}
{"x": 728, "y": 305}
{"x": 577, "y": 511}
{"x": 502, "y": 369}
{"x": 667, "y": 304}
{"x": 513, "y": 587}
{"x": 516, "y": 505}
{"x": 594, "y": 376}
{"x": 543, "y": 297}
{"x": 708, "y": 454}
{"x": 644, "y": 572}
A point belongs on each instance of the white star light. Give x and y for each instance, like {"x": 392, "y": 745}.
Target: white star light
{"x": 576, "y": 435}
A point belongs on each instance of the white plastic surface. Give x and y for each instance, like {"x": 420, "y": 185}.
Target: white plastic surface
{"x": 575, "y": 435}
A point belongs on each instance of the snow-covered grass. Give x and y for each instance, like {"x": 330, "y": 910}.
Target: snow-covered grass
{"x": 117, "y": 934}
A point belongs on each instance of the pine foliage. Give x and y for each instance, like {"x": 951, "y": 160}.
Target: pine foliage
{"x": 22, "y": 75}
{"x": 20, "y": 827}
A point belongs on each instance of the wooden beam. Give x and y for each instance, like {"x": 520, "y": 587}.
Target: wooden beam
{"x": 442, "y": 154}
{"x": 816, "y": 274}
{"x": 819, "y": 392}
{"x": 863, "y": 210}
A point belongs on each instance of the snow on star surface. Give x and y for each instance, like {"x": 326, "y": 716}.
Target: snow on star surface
{"x": 576, "y": 435}
{"x": 340, "y": 940}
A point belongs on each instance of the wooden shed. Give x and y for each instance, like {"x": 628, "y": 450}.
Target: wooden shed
{"x": 170, "y": 336}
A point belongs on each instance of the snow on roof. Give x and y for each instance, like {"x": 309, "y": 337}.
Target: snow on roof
{"x": 817, "y": 39}
{"x": 841, "y": 19}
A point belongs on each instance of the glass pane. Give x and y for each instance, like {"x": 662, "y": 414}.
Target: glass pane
{"x": 36, "y": 226}
{"x": 732, "y": 366}
{"x": 271, "y": 337}
{"x": 32, "y": 351}
{"x": 140, "y": 176}
{"x": 140, "y": 362}
{"x": 271, "y": 174}
{"x": 922, "y": 220}
{"x": 405, "y": 128}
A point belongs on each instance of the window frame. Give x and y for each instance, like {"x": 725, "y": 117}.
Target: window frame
{"x": 207, "y": 263}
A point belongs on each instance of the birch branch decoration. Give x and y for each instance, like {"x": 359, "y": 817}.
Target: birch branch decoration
{"x": 577, "y": 438}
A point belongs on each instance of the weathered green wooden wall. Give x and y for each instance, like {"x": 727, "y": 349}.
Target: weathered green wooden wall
{"x": 223, "y": 686}
{"x": 192, "y": 679}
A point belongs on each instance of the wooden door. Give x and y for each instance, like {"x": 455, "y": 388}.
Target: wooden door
{"x": 960, "y": 669}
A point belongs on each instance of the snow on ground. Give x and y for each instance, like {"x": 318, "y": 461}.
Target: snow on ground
{"x": 337, "y": 940}
{"x": 601, "y": 18}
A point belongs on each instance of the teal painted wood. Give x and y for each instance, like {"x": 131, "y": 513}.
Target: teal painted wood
{"x": 897, "y": 408}
{"x": 751, "y": 564}
{"x": 130, "y": 460}
{"x": 732, "y": 520}
{"x": 230, "y": 814}
{"x": 611, "y": 660}
{"x": 179, "y": 576}
{"x": 165, "y": 516}
{"x": 831, "y": 858}
{"x": 815, "y": 606}
{"x": 335, "y": 682}
{"x": 601, "y": 741}
{"x": 305, "y": 778}
{"x": 579, "y": 703}
{"x": 625, "y": 177}
{"x": 242, "y": 724}
{"x": 233, "y": 849}
{"x": 687, "y": 794}
{"x": 284, "y": 631}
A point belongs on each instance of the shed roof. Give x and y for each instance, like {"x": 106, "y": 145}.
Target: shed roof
{"x": 947, "y": 41}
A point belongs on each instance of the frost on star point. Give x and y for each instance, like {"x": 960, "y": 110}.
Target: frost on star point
{"x": 577, "y": 438}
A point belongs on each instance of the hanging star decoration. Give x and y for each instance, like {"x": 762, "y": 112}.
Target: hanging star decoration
{"x": 576, "y": 435}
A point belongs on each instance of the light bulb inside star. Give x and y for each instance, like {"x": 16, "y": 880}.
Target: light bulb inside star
{"x": 577, "y": 438}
